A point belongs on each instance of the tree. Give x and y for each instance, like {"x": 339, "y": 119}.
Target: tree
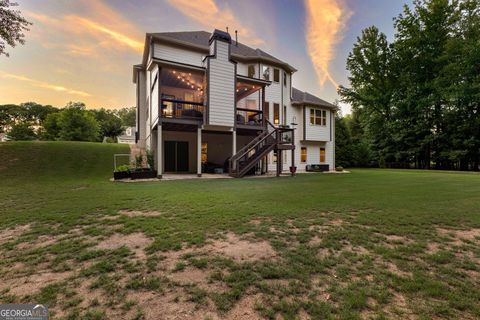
{"x": 21, "y": 131}
{"x": 12, "y": 26}
{"x": 128, "y": 116}
{"x": 110, "y": 123}
{"x": 343, "y": 142}
{"x": 372, "y": 86}
{"x": 51, "y": 127}
{"x": 77, "y": 124}
{"x": 416, "y": 101}
{"x": 37, "y": 113}
{"x": 420, "y": 41}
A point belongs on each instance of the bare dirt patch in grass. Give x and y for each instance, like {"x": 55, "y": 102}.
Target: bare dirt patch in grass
{"x": 432, "y": 247}
{"x": 172, "y": 304}
{"x": 12, "y": 233}
{"x": 191, "y": 276}
{"x": 245, "y": 308}
{"x": 135, "y": 213}
{"x": 392, "y": 267}
{"x": 136, "y": 242}
{"x": 40, "y": 242}
{"x": 463, "y": 235}
{"x": 240, "y": 250}
{"x": 28, "y": 285}
{"x": 397, "y": 238}
{"x": 399, "y": 304}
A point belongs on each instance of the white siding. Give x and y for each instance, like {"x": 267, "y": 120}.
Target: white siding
{"x": 171, "y": 53}
{"x": 317, "y": 132}
{"x": 221, "y": 87}
{"x": 154, "y": 95}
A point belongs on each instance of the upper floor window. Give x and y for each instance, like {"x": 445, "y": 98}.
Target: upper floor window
{"x": 266, "y": 73}
{"x": 251, "y": 71}
{"x": 285, "y": 115}
{"x": 276, "y": 113}
{"x": 276, "y": 75}
{"x": 318, "y": 117}
{"x": 284, "y": 79}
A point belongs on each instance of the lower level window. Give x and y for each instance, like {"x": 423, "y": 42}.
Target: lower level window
{"x": 204, "y": 152}
{"x": 303, "y": 155}
{"x": 322, "y": 155}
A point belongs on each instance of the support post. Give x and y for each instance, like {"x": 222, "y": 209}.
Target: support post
{"x": 159, "y": 152}
{"x": 279, "y": 163}
{"x": 199, "y": 152}
{"x": 263, "y": 106}
{"x": 234, "y": 142}
{"x": 293, "y": 154}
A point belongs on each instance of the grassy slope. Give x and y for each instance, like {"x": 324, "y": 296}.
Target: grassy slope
{"x": 67, "y": 184}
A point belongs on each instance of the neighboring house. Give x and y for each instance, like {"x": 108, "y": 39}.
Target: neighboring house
{"x": 206, "y": 103}
{"x": 128, "y": 136}
{"x": 3, "y": 137}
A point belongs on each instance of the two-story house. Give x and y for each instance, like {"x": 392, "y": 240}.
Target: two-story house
{"x": 207, "y": 103}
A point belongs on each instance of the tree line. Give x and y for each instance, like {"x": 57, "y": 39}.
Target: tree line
{"x": 74, "y": 122}
{"x": 415, "y": 100}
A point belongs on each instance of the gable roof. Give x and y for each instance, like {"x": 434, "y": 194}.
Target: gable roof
{"x": 299, "y": 98}
{"x": 199, "y": 40}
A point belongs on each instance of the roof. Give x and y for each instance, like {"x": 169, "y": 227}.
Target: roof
{"x": 300, "y": 97}
{"x": 200, "y": 40}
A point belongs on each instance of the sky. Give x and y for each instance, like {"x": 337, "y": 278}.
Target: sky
{"x": 84, "y": 50}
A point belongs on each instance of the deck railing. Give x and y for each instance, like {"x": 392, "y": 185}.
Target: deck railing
{"x": 249, "y": 117}
{"x": 179, "y": 109}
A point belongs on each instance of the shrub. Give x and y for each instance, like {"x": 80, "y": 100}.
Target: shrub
{"x": 150, "y": 159}
{"x": 339, "y": 169}
{"x": 138, "y": 161}
{"x": 122, "y": 168}
{"x": 21, "y": 131}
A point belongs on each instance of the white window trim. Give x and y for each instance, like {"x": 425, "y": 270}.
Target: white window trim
{"x": 315, "y": 117}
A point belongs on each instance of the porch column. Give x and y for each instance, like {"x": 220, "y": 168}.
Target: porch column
{"x": 263, "y": 105}
{"x": 279, "y": 162}
{"x": 159, "y": 151}
{"x": 293, "y": 152}
{"x": 199, "y": 152}
{"x": 234, "y": 142}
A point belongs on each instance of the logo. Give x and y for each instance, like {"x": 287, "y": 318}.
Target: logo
{"x": 23, "y": 312}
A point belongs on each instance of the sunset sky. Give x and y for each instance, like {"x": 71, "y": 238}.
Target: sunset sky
{"x": 84, "y": 50}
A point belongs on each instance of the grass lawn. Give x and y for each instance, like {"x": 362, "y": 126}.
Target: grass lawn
{"x": 373, "y": 244}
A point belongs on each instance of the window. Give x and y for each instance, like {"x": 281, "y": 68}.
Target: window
{"x": 322, "y": 155}
{"x": 303, "y": 155}
{"x": 285, "y": 115}
{"x": 266, "y": 73}
{"x": 274, "y": 158}
{"x": 266, "y": 110}
{"x": 276, "y": 75}
{"x": 251, "y": 71}
{"x": 318, "y": 117}
{"x": 204, "y": 152}
{"x": 284, "y": 79}
{"x": 276, "y": 113}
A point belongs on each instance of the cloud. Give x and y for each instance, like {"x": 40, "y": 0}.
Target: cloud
{"x": 326, "y": 20}
{"x": 116, "y": 36}
{"x": 88, "y": 35}
{"x": 45, "y": 85}
{"x": 210, "y": 16}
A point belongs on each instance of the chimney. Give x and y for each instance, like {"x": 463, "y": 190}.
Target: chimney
{"x": 236, "y": 38}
